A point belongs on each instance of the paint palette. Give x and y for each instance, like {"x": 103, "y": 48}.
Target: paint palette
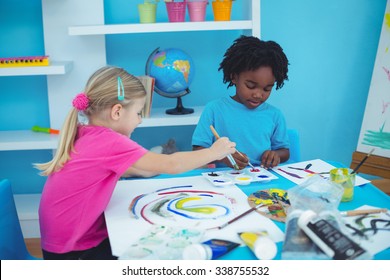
{"x": 275, "y": 203}
{"x": 239, "y": 177}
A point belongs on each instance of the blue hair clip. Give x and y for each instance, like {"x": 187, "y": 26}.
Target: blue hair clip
{"x": 121, "y": 90}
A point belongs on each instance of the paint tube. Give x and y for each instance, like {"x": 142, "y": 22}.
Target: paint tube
{"x": 329, "y": 238}
{"x": 209, "y": 250}
{"x": 261, "y": 245}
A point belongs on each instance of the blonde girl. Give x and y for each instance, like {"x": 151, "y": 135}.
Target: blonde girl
{"x": 92, "y": 157}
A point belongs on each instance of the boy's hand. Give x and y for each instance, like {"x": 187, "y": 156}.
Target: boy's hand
{"x": 241, "y": 160}
{"x": 269, "y": 159}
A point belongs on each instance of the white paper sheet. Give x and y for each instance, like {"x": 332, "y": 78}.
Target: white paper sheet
{"x": 318, "y": 166}
{"x": 221, "y": 204}
{"x": 375, "y": 229}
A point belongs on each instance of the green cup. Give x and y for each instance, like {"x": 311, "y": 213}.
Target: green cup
{"x": 346, "y": 179}
{"x": 147, "y": 12}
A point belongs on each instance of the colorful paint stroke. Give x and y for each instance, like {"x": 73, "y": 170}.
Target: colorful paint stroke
{"x": 372, "y": 231}
{"x": 162, "y": 243}
{"x": 301, "y": 171}
{"x": 379, "y": 138}
{"x": 181, "y": 205}
{"x": 275, "y": 203}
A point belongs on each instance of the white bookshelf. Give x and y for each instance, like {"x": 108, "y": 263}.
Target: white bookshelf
{"x": 75, "y": 33}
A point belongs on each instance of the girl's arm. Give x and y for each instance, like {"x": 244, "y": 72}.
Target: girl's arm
{"x": 152, "y": 163}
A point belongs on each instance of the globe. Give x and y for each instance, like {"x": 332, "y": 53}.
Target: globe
{"x": 173, "y": 71}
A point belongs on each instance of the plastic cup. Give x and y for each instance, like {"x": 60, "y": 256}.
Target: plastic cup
{"x": 147, "y": 12}
{"x": 344, "y": 178}
{"x": 197, "y": 10}
{"x": 176, "y": 11}
{"x": 222, "y": 10}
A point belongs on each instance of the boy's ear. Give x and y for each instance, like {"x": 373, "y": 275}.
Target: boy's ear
{"x": 233, "y": 77}
{"x": 116, "y": 111}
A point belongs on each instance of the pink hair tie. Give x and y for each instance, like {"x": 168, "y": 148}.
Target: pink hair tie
{"x": 80, "y": 102}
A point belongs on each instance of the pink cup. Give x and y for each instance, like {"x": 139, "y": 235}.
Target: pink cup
{"x": 176, "y": 11}
{"x": 197, "y": 10}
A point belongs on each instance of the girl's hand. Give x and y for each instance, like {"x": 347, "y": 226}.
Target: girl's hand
{"x": 269, "y": 159}
{"x": 223, "y": 147}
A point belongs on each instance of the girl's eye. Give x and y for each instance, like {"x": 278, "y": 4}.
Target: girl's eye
{"x": 139, "y": 114}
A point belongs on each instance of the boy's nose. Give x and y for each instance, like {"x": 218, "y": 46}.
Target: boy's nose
{"x": 258, "y": 94}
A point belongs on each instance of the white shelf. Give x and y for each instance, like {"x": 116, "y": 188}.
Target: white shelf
{"x": 29, "y": 140}
{"x": 158, "y": 117}
{"x": 160, "y": 27}
{"x": 56, "y": 68}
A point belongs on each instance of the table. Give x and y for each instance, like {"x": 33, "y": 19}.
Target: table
{"x": 366, "y": 194}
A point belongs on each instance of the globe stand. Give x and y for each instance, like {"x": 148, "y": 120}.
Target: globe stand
{"x": 179, "y": 110}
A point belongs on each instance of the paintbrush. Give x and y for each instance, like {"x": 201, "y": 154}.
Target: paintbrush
{"x": 362, "y": 212}
{"x": 230, "y": 158}
{"x": 239, "y": 216}
{"x": 363, "y": 160}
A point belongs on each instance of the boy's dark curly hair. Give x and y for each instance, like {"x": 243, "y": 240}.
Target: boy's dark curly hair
{"x": 249, "y": 53}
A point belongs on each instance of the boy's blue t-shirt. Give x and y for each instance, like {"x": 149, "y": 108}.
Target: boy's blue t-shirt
{"x": 253, "y": 130}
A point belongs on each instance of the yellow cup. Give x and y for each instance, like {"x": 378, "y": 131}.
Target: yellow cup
{"x": 344, "y": 178}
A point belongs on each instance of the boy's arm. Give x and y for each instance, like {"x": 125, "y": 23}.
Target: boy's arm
{"x": 270, "y": 159}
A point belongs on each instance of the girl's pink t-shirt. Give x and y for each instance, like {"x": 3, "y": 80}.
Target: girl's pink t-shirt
{"x": 71, "y": 211}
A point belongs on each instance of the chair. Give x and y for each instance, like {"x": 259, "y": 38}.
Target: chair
{"x": 295, "y": 148}
{"x": 12, "y": 245}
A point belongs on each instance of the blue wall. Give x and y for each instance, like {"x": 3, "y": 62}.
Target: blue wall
{"x": 331, "y": 46}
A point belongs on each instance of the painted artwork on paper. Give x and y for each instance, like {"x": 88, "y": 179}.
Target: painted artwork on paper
{"x": 137, "y": 206}
{"x": 371, "y": 231}
{"x": 301, "y": 171}
{"x": 375, "y": 130}
{"x": 178, "y": 205}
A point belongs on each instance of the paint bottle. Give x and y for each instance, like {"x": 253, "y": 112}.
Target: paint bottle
{"x": 209, "y": 250}
{"x": 329, "y": 238}
{"x": 261, "y": 245}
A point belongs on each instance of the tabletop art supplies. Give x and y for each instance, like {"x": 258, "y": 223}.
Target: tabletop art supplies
{"x": 320, "y": 196}
{"x": 299, "y": 172}
{"x": 345, "y": 178}
{"x": 209, "y": 250}
{"x": 329, "y": 238}
{"x": 162, "y": 243}
{"x": 239, "y": 177}
{"x": 137, "y": 204}
{"x": 369, "y": 227}
{"x": 275, "y": 202}
{"x": 260, "y": 243}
